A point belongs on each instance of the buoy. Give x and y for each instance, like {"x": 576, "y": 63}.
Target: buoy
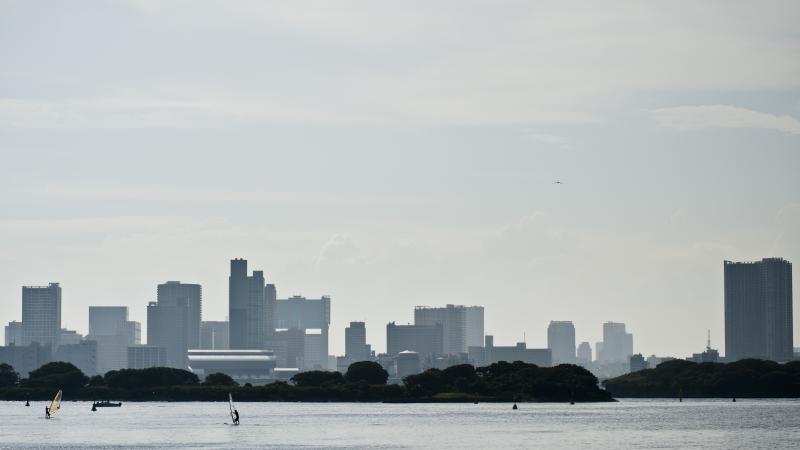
{"x": 27, "y": 403}
{"x": 515, "y": 406}
{"x": 734, "y": 399}
{"x": 94, "y": 407}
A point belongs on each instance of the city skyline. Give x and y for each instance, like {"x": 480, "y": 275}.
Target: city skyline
{"x": 380, "y": 153}
{"x": 454, "y": 320}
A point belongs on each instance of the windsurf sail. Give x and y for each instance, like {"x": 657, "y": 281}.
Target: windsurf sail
{"x": 230, "y": 405}
{"x": 56, "y": 404}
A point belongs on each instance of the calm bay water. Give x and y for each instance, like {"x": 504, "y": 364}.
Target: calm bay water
{"x": 750, "y": 424}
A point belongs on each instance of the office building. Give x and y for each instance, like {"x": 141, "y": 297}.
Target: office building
{"x": 289, "y": 348}
{"x": 426, "y": 340}
{"x": 407, "y": 363}
{"x": 13, "y": 332}
{"x": 110, "y": 328}
{"x": 474, "y": 326}
{"x": 313, "y": 318}
{"x": 172, "y": 292}
{"x": 617, "y": 346}
{"x": 67, "y": 337}
{"x": 758, "y": 310}
{"x": 453, "y": 319}
{"x": 542, "y": 357}
{"x": 41, "y": 315}
{"x": 637, "y": 363}
{"x": 248, "y": 308}
{"x": 25, "y": 358}
{"x": 82, "y": 355}
{"x": 214, "y": 335}
{"x": 145, "y": 356}
{"x": 561, "y": 342}
{"x": 355, "y": 342}
{"x": 584, "y": 354}
{"x": 166, "y": 328}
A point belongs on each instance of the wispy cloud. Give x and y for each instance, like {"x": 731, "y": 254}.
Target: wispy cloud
{"x": 723, "y": 116}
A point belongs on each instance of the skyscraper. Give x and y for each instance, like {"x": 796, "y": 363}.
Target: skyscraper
{"x": 758, "y": 310}
{"x": 110, "y": 328}
{"x": 308, "y": 315}
{"x": 423, "y": 339}
{"x": 462, "y": 325}
{"x": 617, "y": 344}
{"x": 247, "y": 308}
{"x": 171, "y": 291}
{"x": 561, "y": 341}
{"x": 166, "y": 328}
{"x": 13, "y": 333}
{"x": 584, "y": 354}
{"x": 355, "y": 342}
{"x": 41, "y": 315}
{"x": 474, "y": 326}
{"x": 214, "y": 335}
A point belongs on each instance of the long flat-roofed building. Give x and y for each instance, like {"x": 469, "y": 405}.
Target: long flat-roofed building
{"x": 244, "y": 366}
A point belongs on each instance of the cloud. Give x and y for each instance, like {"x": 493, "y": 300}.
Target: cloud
{"x": 723, "y": 116}
{"x": 339, "y": 249}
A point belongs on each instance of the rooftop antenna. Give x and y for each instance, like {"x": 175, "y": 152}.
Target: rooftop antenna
{"x": 708, "y": 341}
{"x": 523, "y": 338}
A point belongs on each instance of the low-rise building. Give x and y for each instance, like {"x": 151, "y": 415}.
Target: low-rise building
{"x": 244, "y": 366}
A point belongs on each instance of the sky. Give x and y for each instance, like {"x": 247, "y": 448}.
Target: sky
{"x": 393, "y": 154}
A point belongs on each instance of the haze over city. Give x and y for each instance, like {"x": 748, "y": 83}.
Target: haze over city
{"x": 399, "y": 155}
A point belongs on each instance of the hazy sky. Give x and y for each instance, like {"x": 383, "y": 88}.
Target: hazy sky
{"x": 393, "y": 154}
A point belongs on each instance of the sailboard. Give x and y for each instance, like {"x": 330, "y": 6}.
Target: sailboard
{"x": 55, "y": 405}
{"x": 231, "y": 407}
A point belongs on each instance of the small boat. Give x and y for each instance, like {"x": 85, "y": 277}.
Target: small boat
{"x": 106, "y": 404}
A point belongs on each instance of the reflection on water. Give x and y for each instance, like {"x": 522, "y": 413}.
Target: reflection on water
{"x": 750, "y": 424}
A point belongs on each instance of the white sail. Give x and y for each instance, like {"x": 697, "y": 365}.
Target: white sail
{"x": 56, "y": 404}
{"x": 230, "y": 405}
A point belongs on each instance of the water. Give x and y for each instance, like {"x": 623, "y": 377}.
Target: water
{"x": 746, "y": 424}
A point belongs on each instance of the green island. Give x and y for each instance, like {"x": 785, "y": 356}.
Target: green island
{"x": 364, "y": 381}
{"x": 747, "y": 378}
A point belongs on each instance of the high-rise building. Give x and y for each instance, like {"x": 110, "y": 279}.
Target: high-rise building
{"x": 457, "y": 322}
{"x": 166, "y": 328}
{"x": 758, "y": 310}
{"x": 637, "y": 362}
{"x": 475, "y": 330}
{"x": 82, "y": 355}
{"x": 584, "y": 354}
{"x": 171, "y": 292}
{"x": 145, "y": 356}
{"x": 110, "y": 328}
{"x": 561, "y": 341}
{"x": 214, "y": 335}
{"x": 426, "y": 340}
{"x": 542, "y": 357}
{"x": 25, "y": 358}
{"x": 617, "y": 344}
{"x": 41, "y": 315}
{"x": 248, "y": 308}
{"x": 67, "y": 337}
{"x": 407, "y": 363}
{"x": 13, "y": 333}
{"x": 312, "y": 317}
{"x": 355, "y": 342}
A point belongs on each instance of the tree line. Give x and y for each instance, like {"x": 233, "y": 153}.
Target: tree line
{"x": 363, "y": 381}
{"x": 753, "y": 378}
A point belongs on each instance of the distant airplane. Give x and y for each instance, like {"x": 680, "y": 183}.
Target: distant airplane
{"x": 558, "y": 182}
